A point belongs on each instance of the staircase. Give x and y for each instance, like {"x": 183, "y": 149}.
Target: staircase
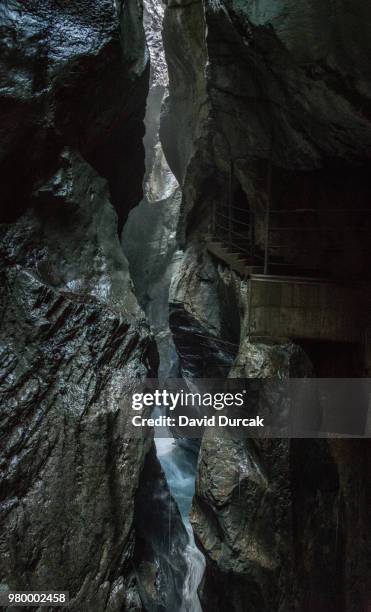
{"x": 239, "y": 262}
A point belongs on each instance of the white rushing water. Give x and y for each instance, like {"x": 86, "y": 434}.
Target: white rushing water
{"x": 178, "y": 460}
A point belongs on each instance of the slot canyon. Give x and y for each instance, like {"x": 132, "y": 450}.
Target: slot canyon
{"x": 185, "y": 194}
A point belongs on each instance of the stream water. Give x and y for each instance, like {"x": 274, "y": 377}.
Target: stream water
{"x": 178, "y": 459}
{"x": 150, "y": 244}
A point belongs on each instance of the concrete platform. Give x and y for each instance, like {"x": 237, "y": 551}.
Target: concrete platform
{"x": 305, "y": 308}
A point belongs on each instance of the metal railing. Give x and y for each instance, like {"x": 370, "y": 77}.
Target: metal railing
{"x": 237, "y": 232}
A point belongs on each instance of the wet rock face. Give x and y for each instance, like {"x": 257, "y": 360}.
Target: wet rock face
{"x": 274, "y": 523}
{"x": 73, "y": 340}
{"x": 253, "y": 65}
{"x": 72, "y": 74}
{"x": 275, "y": 518}
{"x": 153, "y": 19}
{"x": 332, "y": 33}
{"x": 271, "y": 86}
{"x": 241, "y": 519}
{"x": 73, "y": 343}
{"x": 204, "y": 315}
{"x": 242, "y": 512}
{"x": 294, "y": 123}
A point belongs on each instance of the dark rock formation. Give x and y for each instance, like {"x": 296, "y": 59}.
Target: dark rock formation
{"x": 294, "y": 125}
{"x": 72, "y": 74}
{"x": 281, "y": 90}
{"x": 274, "y": 518}
{"x": 73, "y": 341}
{"x": 204, "y": 315}
{"x": 277, "y": 522}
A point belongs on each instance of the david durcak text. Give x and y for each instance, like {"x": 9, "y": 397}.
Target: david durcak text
{"x": 184, "y": 421}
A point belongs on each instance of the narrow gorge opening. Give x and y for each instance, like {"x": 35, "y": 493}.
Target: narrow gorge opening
{"x": 150, "y": 243}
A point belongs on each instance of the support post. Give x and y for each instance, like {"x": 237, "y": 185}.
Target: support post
{"x": 267, "y": 217}
{"x": 213, "y": 219}
{"x": 252, "y": 233}
{"x": 230, "y": 218}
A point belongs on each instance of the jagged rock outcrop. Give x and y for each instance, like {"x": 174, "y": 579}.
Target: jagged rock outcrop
{"x": 276, "y": 522}
{"x": 204, "y": 315}
{"x": 154, "y": 222}
{"x": 281, "y": 91}
{"x": 73, "y": 341}
{"x": 294, "y": 124}
{"x": 274, "y": 518}
{"x": 73, "y": 74}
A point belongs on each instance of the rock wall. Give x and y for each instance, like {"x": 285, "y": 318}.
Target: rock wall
{"x": 275, "y": 519}
{"x": 295, "y": 126}
{"x": 204, "y": 311}
{"x": 74, "y": 341}
{"x": 76, "y": 75}
{"x": 150, "y": 236}
{"x": 275, "y": 88}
